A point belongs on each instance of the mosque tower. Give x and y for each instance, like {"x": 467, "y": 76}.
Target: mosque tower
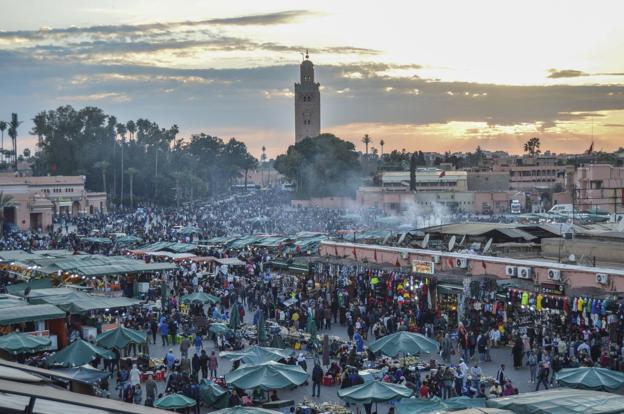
{"x": 307, "y": 103}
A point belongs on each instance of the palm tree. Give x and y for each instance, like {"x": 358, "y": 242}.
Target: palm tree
{"x": 131, "y": 173}
{"x": 131, "y": 127}
{"x": 121, "y": 131}
{"x": 532, "y": 146}
{"x": 5, "y": 201}
{"x": 13, "y": 125}
{"x": 381, "y": 144}
{"x": 103, "y": 166}
{"x": 366, "y": 140}
{"x": 3, "y": 127}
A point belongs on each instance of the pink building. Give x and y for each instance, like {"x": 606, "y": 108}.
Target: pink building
{"x": 599, "y": 187}
{"x": 35, "y": 200}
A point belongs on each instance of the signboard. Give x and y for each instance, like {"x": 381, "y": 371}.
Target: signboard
{"x": 109, "y": 327}
{"x": 423, "y": 266}
{"x": 552, "y": 289}
{"x": 45, "y": 333}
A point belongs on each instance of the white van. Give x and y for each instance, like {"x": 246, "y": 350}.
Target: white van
{"x": 516, "y": 207}
{"x": 563, "y": 209}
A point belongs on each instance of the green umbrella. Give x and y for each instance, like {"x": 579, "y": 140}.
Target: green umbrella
{"x": 220, "y": 328}
{"x": 235, "y": 317}
{"x": 78, "y": 353}
{"x": 213, "y": 395}
{"x": 374, "y": 392}
{"x": 268, "y": 375}
{"x": 257, "y": 355}
{"x": 174, "y": 401}
{"x": 590, "y": 378}
{"x": 561, "y": 401}
{"x": 404, "y": 342}
{"x": 245, "y": 410}
{"x": 435, "y": 404}
{"x": 21, "y": 343}
{"x": 200, "y": 297}
{"x": 262, "y": 334}
{"x": 120, "y": 338}
{"x": 189, "y": 230}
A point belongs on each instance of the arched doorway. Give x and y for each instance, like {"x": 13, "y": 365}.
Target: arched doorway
{"x": 75, "y": 208}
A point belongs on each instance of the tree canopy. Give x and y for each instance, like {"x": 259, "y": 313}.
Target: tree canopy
{"x": 321, "y": 166}
{"x": 165, "y": 168}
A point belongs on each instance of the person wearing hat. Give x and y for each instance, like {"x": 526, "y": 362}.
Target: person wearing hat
{"x": 495, "y": 390}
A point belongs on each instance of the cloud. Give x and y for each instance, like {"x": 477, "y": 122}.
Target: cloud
{"x": 566, "y": 73}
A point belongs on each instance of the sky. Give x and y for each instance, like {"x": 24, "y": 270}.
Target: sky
{"x": 431, "y": 75}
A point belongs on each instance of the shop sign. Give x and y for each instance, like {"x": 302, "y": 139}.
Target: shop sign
{"x": 423, "y": 266}
{"x": 45, "y": 333}
{"x": 109, "y": 327}
{"x": 552, "y": 288}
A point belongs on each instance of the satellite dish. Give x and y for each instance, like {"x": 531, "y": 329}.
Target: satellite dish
{"x": 451, "y": 243}
{"x": 487, "y": 245}
{"x": 461, "y": 243}
{"x": 425, "y": 241}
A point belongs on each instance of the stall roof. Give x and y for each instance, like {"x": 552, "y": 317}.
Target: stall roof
{"x": 174, "y": 256}
{"x": 168, "y": 246}
{"x": 230, "y": 261}
{"x": 560, "y": 401}
{"x": 78, "y": 303}
{"x": 29, "y": 313}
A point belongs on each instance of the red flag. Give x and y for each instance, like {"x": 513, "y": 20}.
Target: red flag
{"x": 590, "y": 149}
{"x": 442, "y": 174}
{"x": 450, "y": 262}
{"x": 336, "y": 250}
{"x": 398, "y": 264}
{"x": 483, "y": 264}
{"x": 354, "y": 253}
{"x": 375, "y": 255}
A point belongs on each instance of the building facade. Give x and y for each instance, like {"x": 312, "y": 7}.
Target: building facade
{"x": 599, "y": 187}
{"x": 36, "y": 200}
{"x": 307, "y": 103}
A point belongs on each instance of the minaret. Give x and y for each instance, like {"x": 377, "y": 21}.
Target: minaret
{"x": 307, "y": 103}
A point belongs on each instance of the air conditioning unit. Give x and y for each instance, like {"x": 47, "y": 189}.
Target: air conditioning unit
{"x": 462, "y": 263}
{"x": 404, "y": 255}
{"x": 524, "y": 272}
{"x": 510, "y": 271}
{"x": 436, "y": 259}
{"x": 602, "y": 278}
{"x": 554, "y": 274}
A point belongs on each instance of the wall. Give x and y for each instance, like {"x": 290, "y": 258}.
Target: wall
{"x": 488, "y": 181}
{"x": 602, "y": 250}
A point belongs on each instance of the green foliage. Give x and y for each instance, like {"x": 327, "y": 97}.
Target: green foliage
{"x": 163, "y": 168}
{"x": 532, "y": 146}
{"x": 321, "y": 166}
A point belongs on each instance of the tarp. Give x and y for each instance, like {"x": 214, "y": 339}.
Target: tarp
{"x": 561, "y": 401}
{"x": 220, "y": 328}
{"x": 230, "y": 261}
{"x": 32, "y": 284}
{"x": 373, "y": 392}
{"x": 269, "y": 376}
{"x": 190, "y": 230}
{"x": 403, "y": 342}
{"x": 590, "y": 378}
{"x": 435, "y": 404}
{"x": 29, "y": 313}
{"x": 85, "y": 374}
{"x": 174, "y": 401}
{"x": 78, "y": 353}
{"x": 169, "y": 246}
{"x": 96, "y": 240}
{"x": 21, "y": 343}
{"x": 120, "y": 337}
{"x": 77, "y": 303}
{"x": 257, "y": 355}
{"x": 245, "y": 410}
{"x": 213, "y": 395}
{"x": 200, "y": 297}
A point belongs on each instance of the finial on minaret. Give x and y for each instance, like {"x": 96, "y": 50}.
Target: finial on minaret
{"x": 307, "y": 55}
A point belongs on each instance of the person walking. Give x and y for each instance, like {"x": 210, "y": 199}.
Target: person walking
{"x": 203, "y": 363}
{"x": 198, "y": 343}
{"x": 151, "y": 391}
{"x": 164, "y": 332}
{"x": 532, "y": 363}
{"x": 154, "y": 330}
{"x": 185, "y": 344}
{"x": 195, "y": 366}
{"x": 317, "y": 378}
{"x": 542, "y": 376}
{"x": 213, "y": 364}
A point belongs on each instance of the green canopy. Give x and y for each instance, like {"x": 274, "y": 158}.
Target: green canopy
{"x": 29, "y": 313}
{"x": 189, "y": 230}
{"x": 268, "y": 375}
{"x": 128, "y": 240}
{"x": 590, "y": 378}
{"x": 256, "y": 355}
{"x": 174, "y": 401}
{"x": 85, "y": 374}
{"x": 435, "y": 404}
{"x": 96, "y": 240}
{"x": 234, "y": 317}
{"x": 220, "y": 328}
{"x": 21, "y": 343}
{"x": 120, "y": 337}
{"x": 261, "y": 327}
{"x": 245, "y": 410}
{"x": 213, "y": 395}
{"x": 200, "y": 297}
{"x": 561, "y": 401}
{"x": 404, "y": 342}
{"x": 78, "y": 353}
{"x": 374, "y": 392}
